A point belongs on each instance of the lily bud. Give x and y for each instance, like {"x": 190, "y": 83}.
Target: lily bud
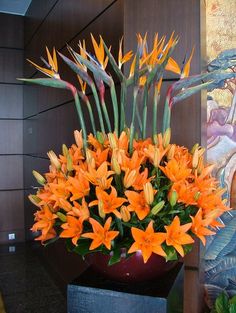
{"x": 195, "y": 159}
{"x": 115, "y": 166}
{"x": 173, "y": 198}
{"x": 125, "y": 213}
{"x": 158, "y": 207}
{"x": 148, "y": 193}
{"x": 61, "y": 216}
{"x": 197, "y": 195}
{"x": 101, "y": 209}
{"x": 156, "y": 158}
{"x": 34, "y": 199}
{"x": 200, "y": 165}
{"x": 171, "y": 152}
{"x": 129, "y": 178}
{"x": 166, "y": 137}
{"x": 65, "y": 150}
{"x": 69, "y": 162}
{"x": 40, "y": 179}
{"x": 195, "y": 147}
{"x": 112, "y": 140}
{"x": 89, "y": 158}
{"x": 78, "y": 138}
{"x": 54, "y": 159}
{"x": 100, "y": 137}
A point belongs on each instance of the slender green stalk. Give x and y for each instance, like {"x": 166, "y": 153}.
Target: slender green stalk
{"x": 139, "y": 119}
{"x": 123, "y": 96}
{"x": 144, "y": 122}
{"x": 166, "y": 116}
{"x": 81, "y": 116}
{"x": 135, "y": 94}
{"x": 104, "y": 108}
{"x": 154, "y": 113}
{"x": 115, "y": 107}
{"x": 95, "y": 95}
{"x": 91, "y": 116}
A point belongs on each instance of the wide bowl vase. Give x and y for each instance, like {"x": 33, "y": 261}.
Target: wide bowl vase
{"x": 131, "y": 269}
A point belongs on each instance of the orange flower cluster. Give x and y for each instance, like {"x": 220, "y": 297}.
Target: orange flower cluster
{"x": 155, "y": 200}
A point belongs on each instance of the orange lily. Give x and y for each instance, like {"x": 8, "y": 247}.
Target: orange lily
{"x": 199, "y": 227}
{"x": 80, "y": 210}
{"x": 45, "y": 220}
{"x": 52, "y": 67}
{"x": 100, "y": 177}
{"x": 177, "y": 236}
{"x": 109, "y": 202}
{"x": 176, "y": 171}
{"x": 141, "y": 180}
{"x": 99, "y": 156}
{"x": 138, "y": 203}
{"x": 78, "y": 186}
{"x": 101, "y": 235}
{"x": 72, "y": 229}
{"x": 147, "y": 241}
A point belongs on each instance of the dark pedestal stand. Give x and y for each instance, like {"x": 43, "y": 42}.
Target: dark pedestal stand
{"x": 91, "y": 293}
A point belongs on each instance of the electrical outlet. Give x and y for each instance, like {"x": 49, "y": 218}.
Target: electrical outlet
{"x": 11, "y": 236}
{"x": 12, "y": 249}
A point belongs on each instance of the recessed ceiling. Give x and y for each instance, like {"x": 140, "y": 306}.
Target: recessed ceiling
{"x": 18, "y": 7}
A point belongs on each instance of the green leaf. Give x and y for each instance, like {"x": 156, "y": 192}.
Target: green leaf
{"x": 232, "y": 308}
{"x": 115, "y": 258}
{"x": 48, "y": 82}
{"x": 48, "y": 242}
{"x": 120, "y": 226}
{"x": 113, "y": 63}
{"x": 222, "y": 303}
{"x": 233, "y": 299}
{"x": 171, "y": 254}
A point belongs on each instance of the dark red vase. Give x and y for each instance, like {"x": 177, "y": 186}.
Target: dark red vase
{"x": 132, "y": 269}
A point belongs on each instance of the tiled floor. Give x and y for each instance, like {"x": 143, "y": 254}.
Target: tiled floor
{"x": 25, "y": 285}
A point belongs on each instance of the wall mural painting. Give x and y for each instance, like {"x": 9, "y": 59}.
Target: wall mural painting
{"x": 220, "y": 255}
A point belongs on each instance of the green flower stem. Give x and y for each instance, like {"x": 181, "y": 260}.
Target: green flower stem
{"x": 104, "y": 108}
{"x": 145, "y": 100}
{"x": 115, "y": 107}
{"x": 122, "y": 105}
{"x": 167, "y": 111}
{"x": 95, "y": 95}
{"x": 154, "y": 114}
{"x": 81, "y": 116}
{"x": 135, "y": 94}
{"x": 139, "y": 119}
{"x": 91, "y": 115}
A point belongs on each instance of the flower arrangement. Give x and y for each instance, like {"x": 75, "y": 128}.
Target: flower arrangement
{"x": 118, "y": 187}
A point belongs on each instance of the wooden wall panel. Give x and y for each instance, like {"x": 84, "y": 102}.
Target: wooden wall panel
{"x": 35, "y": 15}
{"x": 11, "y": 99}
{"x": 11, "y": 65}
{"x": 12, "y": 31}
{"x": 11, "y": 137}
{"x": 11, "y": 168}
{"x": 33, "y": 163}
{"x": 19, "y": 235}
{"x": 12, "y": 217}
{"x": 62, "y": 24}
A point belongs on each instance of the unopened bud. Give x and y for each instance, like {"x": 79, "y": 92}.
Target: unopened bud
{"x": 112, "y": 140}
{"x": 61, "y": 216}
{"x": 195, "y": 159}
{"x": 173, "y": 198}
{"x": 148, "y": 193}
{"x": 171, "y": 152}
{"x": 100, "y": 137}
{"x": 89, "y": 158}
{"x": 65, "y": 150}
{"x": 166, "y": 137}
{"x": 157, "y": 157}
{"x": 129, "y": 178}
{"x": 34, "y": 199}
{"x": 40, "y": 179}
{"x": 78, "y": 138}
{"x": 195, "y": 147}
{"x": 158, "y": 207}
{"x": 69, "y": 163}
{"x": 101, "y": 209}
{"x": 197, "y": 195}
{"x": 54, "y": 159}
{"x": 115, "y": 166}
{"x": 125, "y": 213}
{"x": 200, "y": 165}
